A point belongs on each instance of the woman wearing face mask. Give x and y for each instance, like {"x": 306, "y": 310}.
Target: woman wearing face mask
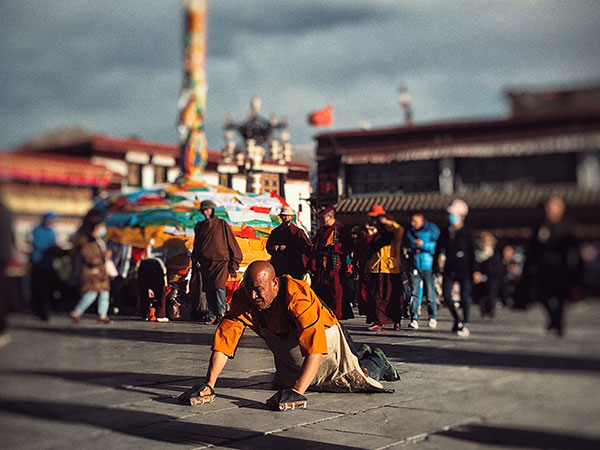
{"x": 457, "y": 243}
{"x": 94, "y": 280}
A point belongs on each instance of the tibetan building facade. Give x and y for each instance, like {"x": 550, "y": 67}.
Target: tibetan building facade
{"x": 504, "y": 169}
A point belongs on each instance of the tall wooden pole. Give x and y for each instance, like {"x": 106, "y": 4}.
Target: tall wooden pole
{"x": 192, "y": 102}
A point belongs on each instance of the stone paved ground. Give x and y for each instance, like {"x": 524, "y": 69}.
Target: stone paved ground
{"x": 510, "y": 385}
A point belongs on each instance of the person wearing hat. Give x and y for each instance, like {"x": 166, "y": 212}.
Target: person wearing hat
{"x": 43, "y": 276}
{"x": 217, "y": 254}
{"x": 288, "y": 246}
{"x": 330, "y": 246}
{"x": 457, "y": 244}
{"x": 384, "y": 268}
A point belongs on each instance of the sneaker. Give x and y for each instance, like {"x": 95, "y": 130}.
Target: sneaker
{"x": 375, "y": 327}
{"x": 464, "y": 332}
{"x": 76, "y": 317}
{"x": 397, "y": 326}
{"x": 162, "y": 319}
{"x": 391, "y": 374}
{"x": 5, "y": 339}
{"x": 414, "y": 325}
{"x": 432, "y": 323}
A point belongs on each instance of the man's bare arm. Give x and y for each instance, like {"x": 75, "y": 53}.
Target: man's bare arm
{"x": 310, "y": 366}
{"x": 215, "y": 367}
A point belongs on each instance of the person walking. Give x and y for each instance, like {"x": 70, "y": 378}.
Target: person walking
{"x": 384, "y": 268}
{"x": 489, "y": 264}
{"x": 7, "y": 242}
{"x": 94, "y": 280}
{"x": 420, "y": 242}
{"x": 457, "y": 244}
{"x": 289, "y": 246}
{"x": 553, "y": 263}
{"x": 43, "y": 276}
{"x": 217, "y": 254}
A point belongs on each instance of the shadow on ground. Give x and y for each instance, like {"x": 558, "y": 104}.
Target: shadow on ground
{"x": 518, "y": 437}
{"x": 159, "y": 427}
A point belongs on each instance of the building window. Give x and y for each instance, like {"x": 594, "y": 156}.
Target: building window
{"x": 160, "y": 174}
{"x": 134, "y": 174}
{"x": 270, "y": 182}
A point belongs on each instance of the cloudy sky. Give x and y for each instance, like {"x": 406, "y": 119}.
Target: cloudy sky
{"x": 114, "y": 66}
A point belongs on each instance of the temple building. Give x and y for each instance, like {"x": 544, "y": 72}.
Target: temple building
{"x": 504, "y": 169}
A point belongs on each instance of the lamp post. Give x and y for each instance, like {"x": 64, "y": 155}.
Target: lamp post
{"x": 256, "y": 134}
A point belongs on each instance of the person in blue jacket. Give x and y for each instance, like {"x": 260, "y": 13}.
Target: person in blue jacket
{"x": 420, "y": 242}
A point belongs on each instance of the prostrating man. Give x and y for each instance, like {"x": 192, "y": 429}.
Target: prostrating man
{"x": 328, "y": 257}
{"x": 457, "y": 244}
{"x": 384, "y": 268}
{"x": 216, "y": 253}
{"x": 310, "y": 349}
{"x": 420, "y": 242}
{"x": 288, "y": 246}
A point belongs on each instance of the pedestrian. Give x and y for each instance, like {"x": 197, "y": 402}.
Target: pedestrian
{"x": 361, "y": 260}
{"x": 384, "y": 268}
{"x": 457, "y": 244}
{"x": 309, "y": 346}
{"x": 94, "y": 281}
{"x": 6, "y": 252}
{"x": 489, "y": 265}
{"x": 327, "y": 260}
{"x": 511, "y": 275}
{"x": 289, "y": 246}
{"x": 43, "y": 276}
{"x": 553, "y": 263}
{"x": 420, "y": 242}
{"x": 217, "y": 254}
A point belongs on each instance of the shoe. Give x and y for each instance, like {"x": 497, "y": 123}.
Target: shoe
{"x": 162, "y": 319}
{"x": 76, "y": 317}
{"x": 432, "y": 323}
{"x": 210, "y": 321}
{"x": 363, "y": 350}
{"x": 397, "y": 326}
{"x": 464, "y": 332}
{"x": 391, "y": 374}
{"x": 414, "y": 325}
{"x": 5, "y": 339}
{"x": 105, "y": 320}
{"x": 375, "y": 327}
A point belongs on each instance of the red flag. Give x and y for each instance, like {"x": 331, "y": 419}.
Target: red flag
{"x": 322, "y": 117}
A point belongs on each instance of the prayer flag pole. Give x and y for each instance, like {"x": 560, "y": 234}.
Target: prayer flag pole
{"x": 192, "y": 101}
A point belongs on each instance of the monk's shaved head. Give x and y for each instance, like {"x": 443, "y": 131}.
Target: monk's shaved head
{"x": 261, "y": 284}
{"x": 259, "y": 269}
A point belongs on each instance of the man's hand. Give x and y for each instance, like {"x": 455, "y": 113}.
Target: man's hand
{"x": 198, "y": 395}
{"x": 477, "y": 277}
{"x": 287, "y": 399}
{"x": 419, "y": 243}
{"x": 281, "y": 248}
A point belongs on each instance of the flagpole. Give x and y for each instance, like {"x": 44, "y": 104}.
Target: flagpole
{"x": 192, "y": 101}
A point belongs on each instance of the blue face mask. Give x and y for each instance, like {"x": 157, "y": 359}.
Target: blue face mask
{"x": 453, "y": 219}
{"x": 102, "y": 232}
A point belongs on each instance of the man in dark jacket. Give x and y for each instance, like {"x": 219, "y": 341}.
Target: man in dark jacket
{"x": 288, "y": 246}
{"x": 457, "y": 244}
{"x": 217, "y": 254}
{"x": 553, "y": 264}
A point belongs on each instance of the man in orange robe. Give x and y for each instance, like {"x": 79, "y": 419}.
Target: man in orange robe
{"x": 310, "y": 349}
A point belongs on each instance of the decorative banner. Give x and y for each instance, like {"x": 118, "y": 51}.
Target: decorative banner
{"x": 192, "y": 102}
